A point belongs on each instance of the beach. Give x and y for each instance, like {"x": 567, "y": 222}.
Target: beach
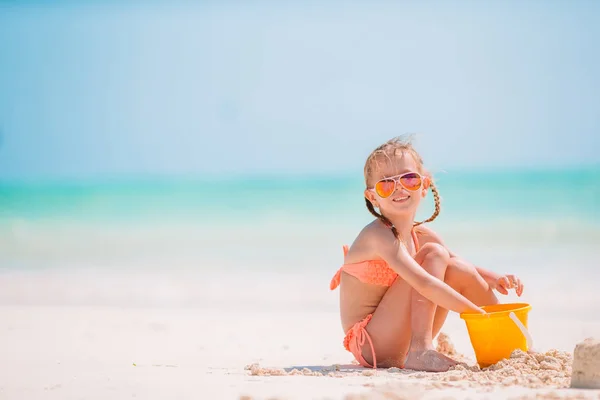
{"x": 260, "y": 337}
{"x": 53, "y": 352}
{"x": 178, "y": 180}
{"x": 159, "y": 293}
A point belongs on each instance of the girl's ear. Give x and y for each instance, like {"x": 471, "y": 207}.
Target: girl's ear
{"x": 426, "y": 185}
{"x": 426, "y": 182}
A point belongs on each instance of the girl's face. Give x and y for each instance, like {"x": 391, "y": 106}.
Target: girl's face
{"x": 397, "y": 187}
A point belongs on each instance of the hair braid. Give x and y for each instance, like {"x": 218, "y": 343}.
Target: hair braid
{"x": 436, "y": 212}
{"x": 383, "y": 219}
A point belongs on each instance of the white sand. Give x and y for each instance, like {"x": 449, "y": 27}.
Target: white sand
{"x": 70, "y": 352}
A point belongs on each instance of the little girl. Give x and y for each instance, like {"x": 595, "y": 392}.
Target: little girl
{"x": 399, "y": 280}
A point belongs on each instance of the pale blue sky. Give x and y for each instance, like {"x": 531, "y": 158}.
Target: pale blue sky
{"x": 92, "y": 91}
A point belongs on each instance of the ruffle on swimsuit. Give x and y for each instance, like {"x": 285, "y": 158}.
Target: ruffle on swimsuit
{"x": 374, "y": 272}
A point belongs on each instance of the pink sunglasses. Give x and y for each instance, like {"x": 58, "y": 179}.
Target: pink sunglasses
{"x": 411, "y": 181}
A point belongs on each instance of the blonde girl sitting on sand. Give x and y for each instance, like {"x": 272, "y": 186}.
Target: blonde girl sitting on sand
{"x": 399, "y": 280}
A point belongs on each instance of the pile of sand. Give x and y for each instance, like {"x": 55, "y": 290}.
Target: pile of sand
{"x": 537, "y": 370}
{"x": 446, "y": 347}
{"x": 551, "y": 369}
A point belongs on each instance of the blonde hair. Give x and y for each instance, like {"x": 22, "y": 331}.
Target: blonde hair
{"x": 394, "y": 147}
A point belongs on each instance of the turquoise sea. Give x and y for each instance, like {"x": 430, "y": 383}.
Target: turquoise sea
{"x": 541, "y": 194}
{"x": 186, "y": 240}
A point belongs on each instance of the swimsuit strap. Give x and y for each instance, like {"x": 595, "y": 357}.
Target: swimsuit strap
{"x": 415, "y": 240}
{"x": 355, "y": 340}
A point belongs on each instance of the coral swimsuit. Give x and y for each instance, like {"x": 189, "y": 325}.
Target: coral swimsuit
{"x": 374, "y": 272}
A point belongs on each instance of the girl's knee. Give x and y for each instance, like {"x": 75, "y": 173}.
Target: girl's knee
{"x": 435, "y": 250}
{"x": 434, "y": 259}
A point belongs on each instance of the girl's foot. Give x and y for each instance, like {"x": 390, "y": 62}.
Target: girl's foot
{"x": 428, "y": 360}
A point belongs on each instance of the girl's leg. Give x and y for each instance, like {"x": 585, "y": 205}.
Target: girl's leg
{"x": 403, "y": 321}
{"x": 404, "y": 317}
{"x": 434, "y": 259}
{"x": 464, "y": 278}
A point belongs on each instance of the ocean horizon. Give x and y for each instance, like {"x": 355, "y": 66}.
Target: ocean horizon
{"x": 551, "y": 192}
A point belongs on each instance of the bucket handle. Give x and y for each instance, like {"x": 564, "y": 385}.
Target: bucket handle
{"x": 523, "y": 330}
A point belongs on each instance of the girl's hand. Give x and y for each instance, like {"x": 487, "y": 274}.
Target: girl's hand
{"x": 505, "y": 282}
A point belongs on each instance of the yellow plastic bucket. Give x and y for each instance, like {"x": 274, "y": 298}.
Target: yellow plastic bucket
{"x": 495, "y": 335}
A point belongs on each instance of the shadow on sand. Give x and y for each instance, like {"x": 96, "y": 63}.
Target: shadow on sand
{"x": 345, "y": 368}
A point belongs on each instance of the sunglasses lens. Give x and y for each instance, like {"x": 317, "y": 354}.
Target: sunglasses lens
{"x": 385, "y": 188}
{"x": 411, "y": 181}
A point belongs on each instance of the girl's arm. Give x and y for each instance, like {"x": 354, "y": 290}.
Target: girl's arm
{"x": 426, "y": 284}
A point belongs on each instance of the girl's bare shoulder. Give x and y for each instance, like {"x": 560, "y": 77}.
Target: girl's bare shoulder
{"x": 370, "y": 241}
